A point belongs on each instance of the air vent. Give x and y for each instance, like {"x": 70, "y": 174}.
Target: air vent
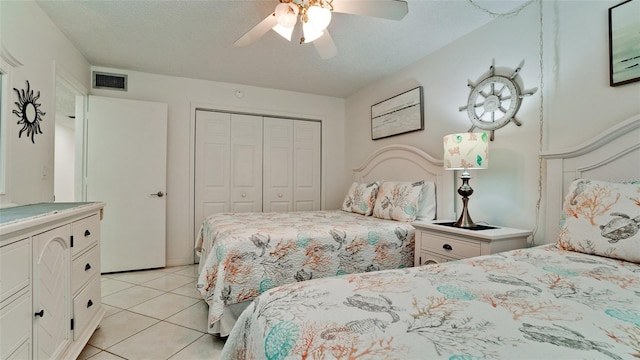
{"x": 109, "y": 81}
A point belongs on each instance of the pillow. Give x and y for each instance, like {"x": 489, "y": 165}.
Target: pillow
{"x": 427, "y": 204}
{"x": 360, "y": 198}
{"x": 602, "y": 218}
{"x": 398, "y": 200}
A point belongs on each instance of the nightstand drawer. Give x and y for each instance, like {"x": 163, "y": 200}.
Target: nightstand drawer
{"x": 450, "y": 247}
{"x": 428, "y": 258}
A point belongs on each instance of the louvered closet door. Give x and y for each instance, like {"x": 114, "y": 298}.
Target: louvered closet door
{"x": 306, "y": 165}
{"x": 246, "y": 163}
{"x": 278, "y": 165}
{"x": 212, "y": 179}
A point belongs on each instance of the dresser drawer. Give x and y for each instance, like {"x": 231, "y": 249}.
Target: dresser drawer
{"x": 450, "y": 247}
{"x": 15, "y": 327}
{"x": 86, "y": 305}
{"x": 15, "y": 267}
{"x": 84, "y": 267}
{"x": 86, "y": 232}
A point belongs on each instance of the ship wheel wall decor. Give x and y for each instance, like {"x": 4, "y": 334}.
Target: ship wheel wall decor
{"x": 28, "y": 110}
{"x": 494, "y": 99}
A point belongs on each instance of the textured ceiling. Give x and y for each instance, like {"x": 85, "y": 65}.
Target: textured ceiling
{"x": 195, "y": 39}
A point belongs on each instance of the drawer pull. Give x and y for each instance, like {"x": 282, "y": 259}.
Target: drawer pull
{"x": 447, "y": 247}
{"x": 87, "y": 233}
{"x": 40, "y": 313}
{"x": 89, "y": 303}
{"x": 87, "y": 267}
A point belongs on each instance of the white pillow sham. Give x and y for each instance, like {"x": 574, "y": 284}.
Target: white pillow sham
{"x": 398, "y": 200}
{"x": 427, "y": 204}
{"x": 360, "y": 198}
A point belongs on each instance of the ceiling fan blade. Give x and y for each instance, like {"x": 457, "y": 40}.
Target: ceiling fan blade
{"x": 387, "y": 9}
{"x": 257, "y": 32}
{"x": 325, "y": 46}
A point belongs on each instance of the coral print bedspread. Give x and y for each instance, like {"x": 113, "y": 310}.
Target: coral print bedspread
{"x": 249, "y": 253}
{"x": 538, "y": 303}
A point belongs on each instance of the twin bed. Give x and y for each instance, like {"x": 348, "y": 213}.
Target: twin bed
{"x": 576, "y": 298}
{"x": 245, "y": 254}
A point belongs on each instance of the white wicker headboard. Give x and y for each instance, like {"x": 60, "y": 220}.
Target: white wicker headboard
{"x": 407, "y": 163}
{"x": 612, "y": 156}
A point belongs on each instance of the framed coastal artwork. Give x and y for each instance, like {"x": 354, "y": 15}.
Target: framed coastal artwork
{"x": 624, "y": 43}
{"x": 400, "y": 114}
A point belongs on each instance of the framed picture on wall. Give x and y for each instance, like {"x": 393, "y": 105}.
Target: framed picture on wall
{"x": 624, "y": 43}
{"x": 400, "y": 114}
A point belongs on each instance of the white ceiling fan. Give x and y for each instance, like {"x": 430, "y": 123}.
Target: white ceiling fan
{"x": 315, "y": 16}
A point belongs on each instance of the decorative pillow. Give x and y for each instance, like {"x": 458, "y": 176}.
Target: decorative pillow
{"x": 360, "y": 198}
{"x": 398, "y": 200}
{"x": 427, "y": 204}
{"x": 602, "y": 218}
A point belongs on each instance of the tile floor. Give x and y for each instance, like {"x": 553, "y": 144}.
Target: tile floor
{"x": 153, "y": 314}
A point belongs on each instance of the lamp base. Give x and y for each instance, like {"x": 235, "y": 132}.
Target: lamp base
{"x": 465, "y": 191}
{"x": 475, "y": 228}
{"x": 464, "y": 221}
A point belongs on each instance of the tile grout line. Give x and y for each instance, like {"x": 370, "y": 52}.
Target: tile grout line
{"x": 193, "y": 278}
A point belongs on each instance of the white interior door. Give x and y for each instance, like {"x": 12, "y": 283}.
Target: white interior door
{"x": 213, "y": 134}
{"x": 306, "y": 164}
{"x": 246, "y": 163}
{"x": 126, "y": 168}
{"x": 228, "y": 164}
{"x": 278, "y": 165}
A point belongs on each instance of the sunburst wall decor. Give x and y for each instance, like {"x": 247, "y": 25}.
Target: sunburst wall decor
{"x": 28, "y": 111}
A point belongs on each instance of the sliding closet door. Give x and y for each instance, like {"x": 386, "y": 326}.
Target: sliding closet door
{"x": 246, "y": 163}
{"x": 212, "y": 185}
{"x": 228, "y": 164}
{"x": 306, "y": 165}
{"x": 291, "y": 165}
{"x": 278, "y": 165}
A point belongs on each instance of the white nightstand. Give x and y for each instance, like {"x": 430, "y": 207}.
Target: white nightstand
{"x": 440, "y": 243}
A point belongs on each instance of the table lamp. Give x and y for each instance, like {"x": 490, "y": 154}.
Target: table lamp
{"x": 466, "y": 151}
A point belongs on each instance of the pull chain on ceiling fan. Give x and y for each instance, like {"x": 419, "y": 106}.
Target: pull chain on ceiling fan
{"x": 315, "y": 16}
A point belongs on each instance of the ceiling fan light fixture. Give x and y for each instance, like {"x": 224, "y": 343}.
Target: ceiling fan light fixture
{"x": 310, "y": 32}
{"x": 287, "y": 14}
{"x": 319, "y": 17}
{"x": 285, "y": 32}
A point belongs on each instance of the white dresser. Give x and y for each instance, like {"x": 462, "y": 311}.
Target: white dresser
{"x": 50, "y": 300}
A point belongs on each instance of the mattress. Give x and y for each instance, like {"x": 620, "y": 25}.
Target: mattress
{"x": 536, "y": 303}
{"x": 246, "y": 254}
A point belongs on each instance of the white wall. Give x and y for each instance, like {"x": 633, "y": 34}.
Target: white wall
{"x": 578, "y": 102}
{"x": 182, "y": 96}
{"x": 30, "y": 36}
{"x": 64, "y": 171}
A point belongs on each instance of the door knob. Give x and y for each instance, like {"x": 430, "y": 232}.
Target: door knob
{"x": 158, "y": 194}
{"x": 244, "y": 195}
